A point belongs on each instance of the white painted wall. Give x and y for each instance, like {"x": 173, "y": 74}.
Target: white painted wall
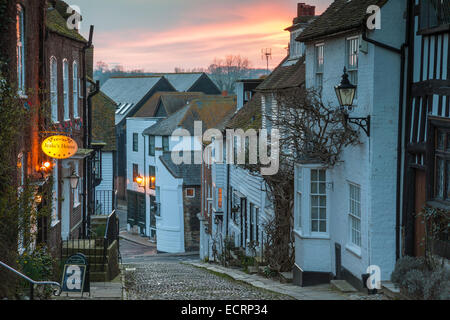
{"x": 371, "y": 165}
{"x": 170, "y": 224}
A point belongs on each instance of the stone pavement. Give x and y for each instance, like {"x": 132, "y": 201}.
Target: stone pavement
{"x": 172, "y": 280}
{"x": 136, "y": 239}
{"x": 319, "y": 292}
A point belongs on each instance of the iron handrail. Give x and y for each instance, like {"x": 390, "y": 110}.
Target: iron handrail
{"x": 56, "y": 292}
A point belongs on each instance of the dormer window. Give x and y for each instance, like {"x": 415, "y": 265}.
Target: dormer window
{"x": 297, "y": 49}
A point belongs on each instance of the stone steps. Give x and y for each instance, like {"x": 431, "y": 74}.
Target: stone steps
{"x": 342, "y": 286}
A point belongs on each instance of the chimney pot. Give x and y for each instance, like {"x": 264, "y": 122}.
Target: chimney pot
{"x": 304, "y": 9}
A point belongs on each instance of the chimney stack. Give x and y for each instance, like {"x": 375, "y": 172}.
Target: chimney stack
{"x": 304, "y": 9}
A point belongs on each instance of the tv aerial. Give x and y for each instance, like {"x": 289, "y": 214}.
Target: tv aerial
{"x": 266, "y": 54}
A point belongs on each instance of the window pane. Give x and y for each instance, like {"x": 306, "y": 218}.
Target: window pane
{"x": 322, "y": 188}
{"x": 313, "y": 187}
{"x": 314, "y": 213}
{"x": 323, "y": 226}
{"x": 313, "y": 175}
{"x": 323, "y": 214}
{"x": 314, "y": 226}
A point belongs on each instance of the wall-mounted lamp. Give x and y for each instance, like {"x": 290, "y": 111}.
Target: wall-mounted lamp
{"x": 74, "y": 178}
{"x": 38, "y": 198}
{"x": 45, "y": 168}
{"x": 345, "y": 93}
{"x": 139, "y": 180}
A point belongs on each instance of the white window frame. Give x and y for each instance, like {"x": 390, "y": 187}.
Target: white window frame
{"x": 54, "y": 89}
{"x": 305, "y": 206}
{"x": 319, "y": 66}
{"x": 354, "y": 210}
{"x": 193, "y": 193}
{"x": 76, "y": 89}
{"x": 20, "y": 50}
{"x": 298, "y": 199}
{"x": 351, "y": 60}
{"x": 66, "y": 89}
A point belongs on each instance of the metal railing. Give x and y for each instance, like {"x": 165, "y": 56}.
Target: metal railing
{"x": 56, "y": 292}
{"x": 105, "y": 202}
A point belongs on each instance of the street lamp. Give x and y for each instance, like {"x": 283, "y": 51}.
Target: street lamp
{"x": 74, "y": 178}
{"x": 345, "y": 93}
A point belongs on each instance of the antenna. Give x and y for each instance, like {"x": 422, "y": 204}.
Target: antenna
{"x": 267, "y": 54}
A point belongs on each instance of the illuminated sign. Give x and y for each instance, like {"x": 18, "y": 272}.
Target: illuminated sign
{"x": 59, "y": 147}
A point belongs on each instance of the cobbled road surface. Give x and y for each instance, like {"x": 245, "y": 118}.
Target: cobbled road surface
{"x": 177, "y": 281}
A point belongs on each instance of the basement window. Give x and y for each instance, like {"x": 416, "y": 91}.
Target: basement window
{"x": 190, "y": 192}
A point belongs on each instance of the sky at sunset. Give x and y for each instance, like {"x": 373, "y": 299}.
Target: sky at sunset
{"x": 159, "y": 35}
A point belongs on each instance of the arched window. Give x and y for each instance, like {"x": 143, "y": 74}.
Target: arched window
{"x": 66, "y": 89}
{"x": 54, "y": 88}
{"x": 20, "y": 50}
{"x": 75, "y": 89}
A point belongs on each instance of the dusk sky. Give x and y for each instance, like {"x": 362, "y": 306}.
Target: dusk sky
{"x": 159, "y": 35}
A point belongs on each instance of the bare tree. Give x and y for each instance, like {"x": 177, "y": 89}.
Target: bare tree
{"x": 309, "y": 131}
{"x": 226, "y": 71}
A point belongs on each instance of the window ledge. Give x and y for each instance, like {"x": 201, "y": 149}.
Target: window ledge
{"x": 312, "y": 236}
{"x": 22, "y": 96}
{"x": 354, "y": 250}
{"x": 76, "y": 205}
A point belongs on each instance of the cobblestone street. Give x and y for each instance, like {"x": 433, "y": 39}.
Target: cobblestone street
{"x": 173, "y": 280}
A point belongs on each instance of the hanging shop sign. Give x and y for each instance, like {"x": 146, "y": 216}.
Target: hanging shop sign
{"x": 59, "y": 147}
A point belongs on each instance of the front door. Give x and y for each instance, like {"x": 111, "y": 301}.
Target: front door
{"x": 136, "y": 211}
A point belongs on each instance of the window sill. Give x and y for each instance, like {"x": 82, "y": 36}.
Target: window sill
{"x": 354, "y": 250}
{"x": 312, "y": 236}
{"x": 76, "y": 205}
{"x": 22, "y": 96}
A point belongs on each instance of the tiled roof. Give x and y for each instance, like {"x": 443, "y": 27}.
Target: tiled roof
{"x": 57, "y": 23}
{"x": 127, "y": 92}
{"x": 249, "y": 116}
{"x": 284, "y": 77}
{"x": 211, "y": 110}
{"x": 190, "y": 173}
{"x": 103, "y": 121}
{"x": 182, "y": 82}
{"x": 341, "y": 15}
{"x": 170, "y": 101}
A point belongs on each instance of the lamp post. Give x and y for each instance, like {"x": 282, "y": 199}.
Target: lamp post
{"x": 345, "y": 93}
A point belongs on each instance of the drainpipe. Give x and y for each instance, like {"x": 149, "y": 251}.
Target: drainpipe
{"x": 400, "y": 51}
{"x": 85, "y": 132}
{"x": 145, "y": 195}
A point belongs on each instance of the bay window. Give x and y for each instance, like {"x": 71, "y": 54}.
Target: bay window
{"x": 318, "y": 201}
{"x": 441, "y": 172}
{"x": 311, "y": 201}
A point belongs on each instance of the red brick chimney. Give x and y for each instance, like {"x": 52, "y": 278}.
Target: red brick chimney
{"x": 304, "y": 9}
